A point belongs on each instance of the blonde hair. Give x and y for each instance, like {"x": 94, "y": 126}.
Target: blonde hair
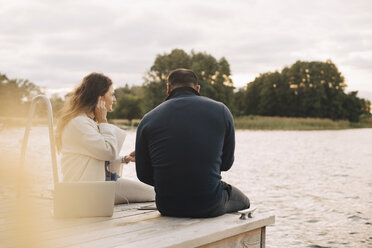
{"x": 83, "y": 99}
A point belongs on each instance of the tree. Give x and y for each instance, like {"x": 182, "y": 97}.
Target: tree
{"x": 16, "y": 95}
{"x": 129, "y": 103}
{"x": 239, "y": 101}
{"x": 156, "y": 78}
{"x": 305, "y": 89}
{"x": 214, "y": 76}
{"x": 57, "y": 103}
{"x": 355, "y": 106}
{"x": 129, "y": 107}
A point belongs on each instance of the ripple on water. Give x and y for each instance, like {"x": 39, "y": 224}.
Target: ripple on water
{"x": 355, "y": 217}
{"x": 312, "y": 221}
{"x": 318, "y": 246}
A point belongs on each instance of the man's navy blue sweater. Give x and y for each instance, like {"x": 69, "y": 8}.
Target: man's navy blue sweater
{"x": 181, "y": 148}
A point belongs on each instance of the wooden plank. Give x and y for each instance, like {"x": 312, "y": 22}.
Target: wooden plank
{"x": 205, "y": 232}
{"x": 130, "y": 227}
{"x": 46, "y": 219}
{"x": 39, "y": 218}
{"x": 119, "y": 212}
{"x": 91, "y": 230}
{"x": 92, "y": 226}
{"x": 179, "y": 232}
{"x": 103, "y": 234}
{"x": 251, "y": 239}
{"x": 79, "y": 238}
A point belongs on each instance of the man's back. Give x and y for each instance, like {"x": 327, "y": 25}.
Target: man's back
{"x": 181, "y": 148}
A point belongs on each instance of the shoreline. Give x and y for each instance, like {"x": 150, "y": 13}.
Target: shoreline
{"x": 296, "y": 123}
{"x": 241, "y": 123}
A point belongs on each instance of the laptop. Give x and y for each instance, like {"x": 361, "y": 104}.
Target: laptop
{"x": 84, "y": 199}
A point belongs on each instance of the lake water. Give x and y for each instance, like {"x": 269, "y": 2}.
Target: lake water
{"x": 318, "y": 184}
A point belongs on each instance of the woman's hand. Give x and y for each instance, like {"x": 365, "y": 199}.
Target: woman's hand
{"x": 129, "y": 158}
{"x": 100, "y": 111}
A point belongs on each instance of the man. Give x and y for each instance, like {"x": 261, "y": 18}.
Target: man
{"x": 182, "y": 146}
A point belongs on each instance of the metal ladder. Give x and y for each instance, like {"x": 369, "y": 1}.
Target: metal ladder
{"x": 51, "y": 137}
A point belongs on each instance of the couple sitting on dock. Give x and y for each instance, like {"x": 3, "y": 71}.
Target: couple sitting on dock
{"x": 182, "y": 146}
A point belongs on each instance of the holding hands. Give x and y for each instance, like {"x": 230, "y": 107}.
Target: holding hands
{"x": 129, "y": 158}
{"x": 123, "y": 160}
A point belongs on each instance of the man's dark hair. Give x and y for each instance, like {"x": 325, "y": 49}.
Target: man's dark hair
{"x": 182, "y": 77}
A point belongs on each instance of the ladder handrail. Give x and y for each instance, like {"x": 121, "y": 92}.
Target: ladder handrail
{"x": 51, "y": 135}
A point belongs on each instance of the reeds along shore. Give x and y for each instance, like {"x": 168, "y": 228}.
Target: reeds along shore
{"x": 291, "y": 123}
{"x": 242, "y": 122}
{"x": 277, "y": 123}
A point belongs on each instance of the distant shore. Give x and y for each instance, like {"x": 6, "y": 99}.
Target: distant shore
{"x": 242, "y": 122}
{"x": 292, "y": 123}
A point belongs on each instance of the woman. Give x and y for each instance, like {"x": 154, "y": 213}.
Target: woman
{"x": 90, "y": 146}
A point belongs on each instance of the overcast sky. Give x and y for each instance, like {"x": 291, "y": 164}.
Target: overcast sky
{"x": 55, "y": 43}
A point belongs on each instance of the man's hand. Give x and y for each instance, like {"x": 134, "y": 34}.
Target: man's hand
{"x": 129, "y": 158}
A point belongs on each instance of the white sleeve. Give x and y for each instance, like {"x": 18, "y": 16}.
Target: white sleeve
{"x": 84, "y": 138}
{"x": 120, "y": 135}
{"x": 116, "y": 165}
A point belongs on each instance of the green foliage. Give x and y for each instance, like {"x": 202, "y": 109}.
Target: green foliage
{"x": 214, "y": 76}
{"x": 129, "y": 103}
{"x": 239, "y": 104}
{"x": 57, "y": 103}
{"x": 15, "y": 96}
{"x": 296, "y": 123}
{"x": 306, "y": 89}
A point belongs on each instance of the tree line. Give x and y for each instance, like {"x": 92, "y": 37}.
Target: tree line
{"x": 304, "y": 89}
{"x": 16, "y": 96}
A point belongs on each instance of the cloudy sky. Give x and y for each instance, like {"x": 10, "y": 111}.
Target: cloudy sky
{"x": 55, "y": 43}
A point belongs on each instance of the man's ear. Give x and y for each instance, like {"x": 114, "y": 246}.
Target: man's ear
{"x": 197, "y": 88}
{"x": 168, "y": 89}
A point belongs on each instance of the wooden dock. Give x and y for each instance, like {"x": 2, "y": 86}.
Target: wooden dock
{"x": 131, "y": 227}
{"x": 28, "y": 222}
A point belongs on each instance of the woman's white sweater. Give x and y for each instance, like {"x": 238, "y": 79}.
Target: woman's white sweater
{"x": 86, "y": 146}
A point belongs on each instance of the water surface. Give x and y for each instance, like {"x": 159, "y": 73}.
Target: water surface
{"x": 318, "y": 184}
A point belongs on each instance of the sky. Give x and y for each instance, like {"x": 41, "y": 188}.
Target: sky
{"x": 54, "y": 44}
